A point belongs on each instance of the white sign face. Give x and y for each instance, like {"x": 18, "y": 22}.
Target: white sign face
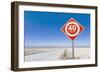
{"x": 72, "y": 29}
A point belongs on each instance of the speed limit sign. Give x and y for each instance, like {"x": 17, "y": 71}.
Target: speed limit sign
{"x": 72, "y": 28}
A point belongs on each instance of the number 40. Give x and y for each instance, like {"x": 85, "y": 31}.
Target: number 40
{"x": 72, "y": 27}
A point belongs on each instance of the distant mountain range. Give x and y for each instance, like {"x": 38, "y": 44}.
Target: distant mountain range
{"x": 84, "y": 46}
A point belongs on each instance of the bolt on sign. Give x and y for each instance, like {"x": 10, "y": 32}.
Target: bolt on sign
{"x": 72, "y": 28}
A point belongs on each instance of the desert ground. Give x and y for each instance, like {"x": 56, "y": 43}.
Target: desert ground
{"x": 48, "y": 54}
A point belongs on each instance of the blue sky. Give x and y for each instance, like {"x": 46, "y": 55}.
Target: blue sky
{"x": 43, "y": 29}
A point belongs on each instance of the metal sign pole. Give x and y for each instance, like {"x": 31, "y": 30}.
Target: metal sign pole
{"x": 73, "y": 57}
